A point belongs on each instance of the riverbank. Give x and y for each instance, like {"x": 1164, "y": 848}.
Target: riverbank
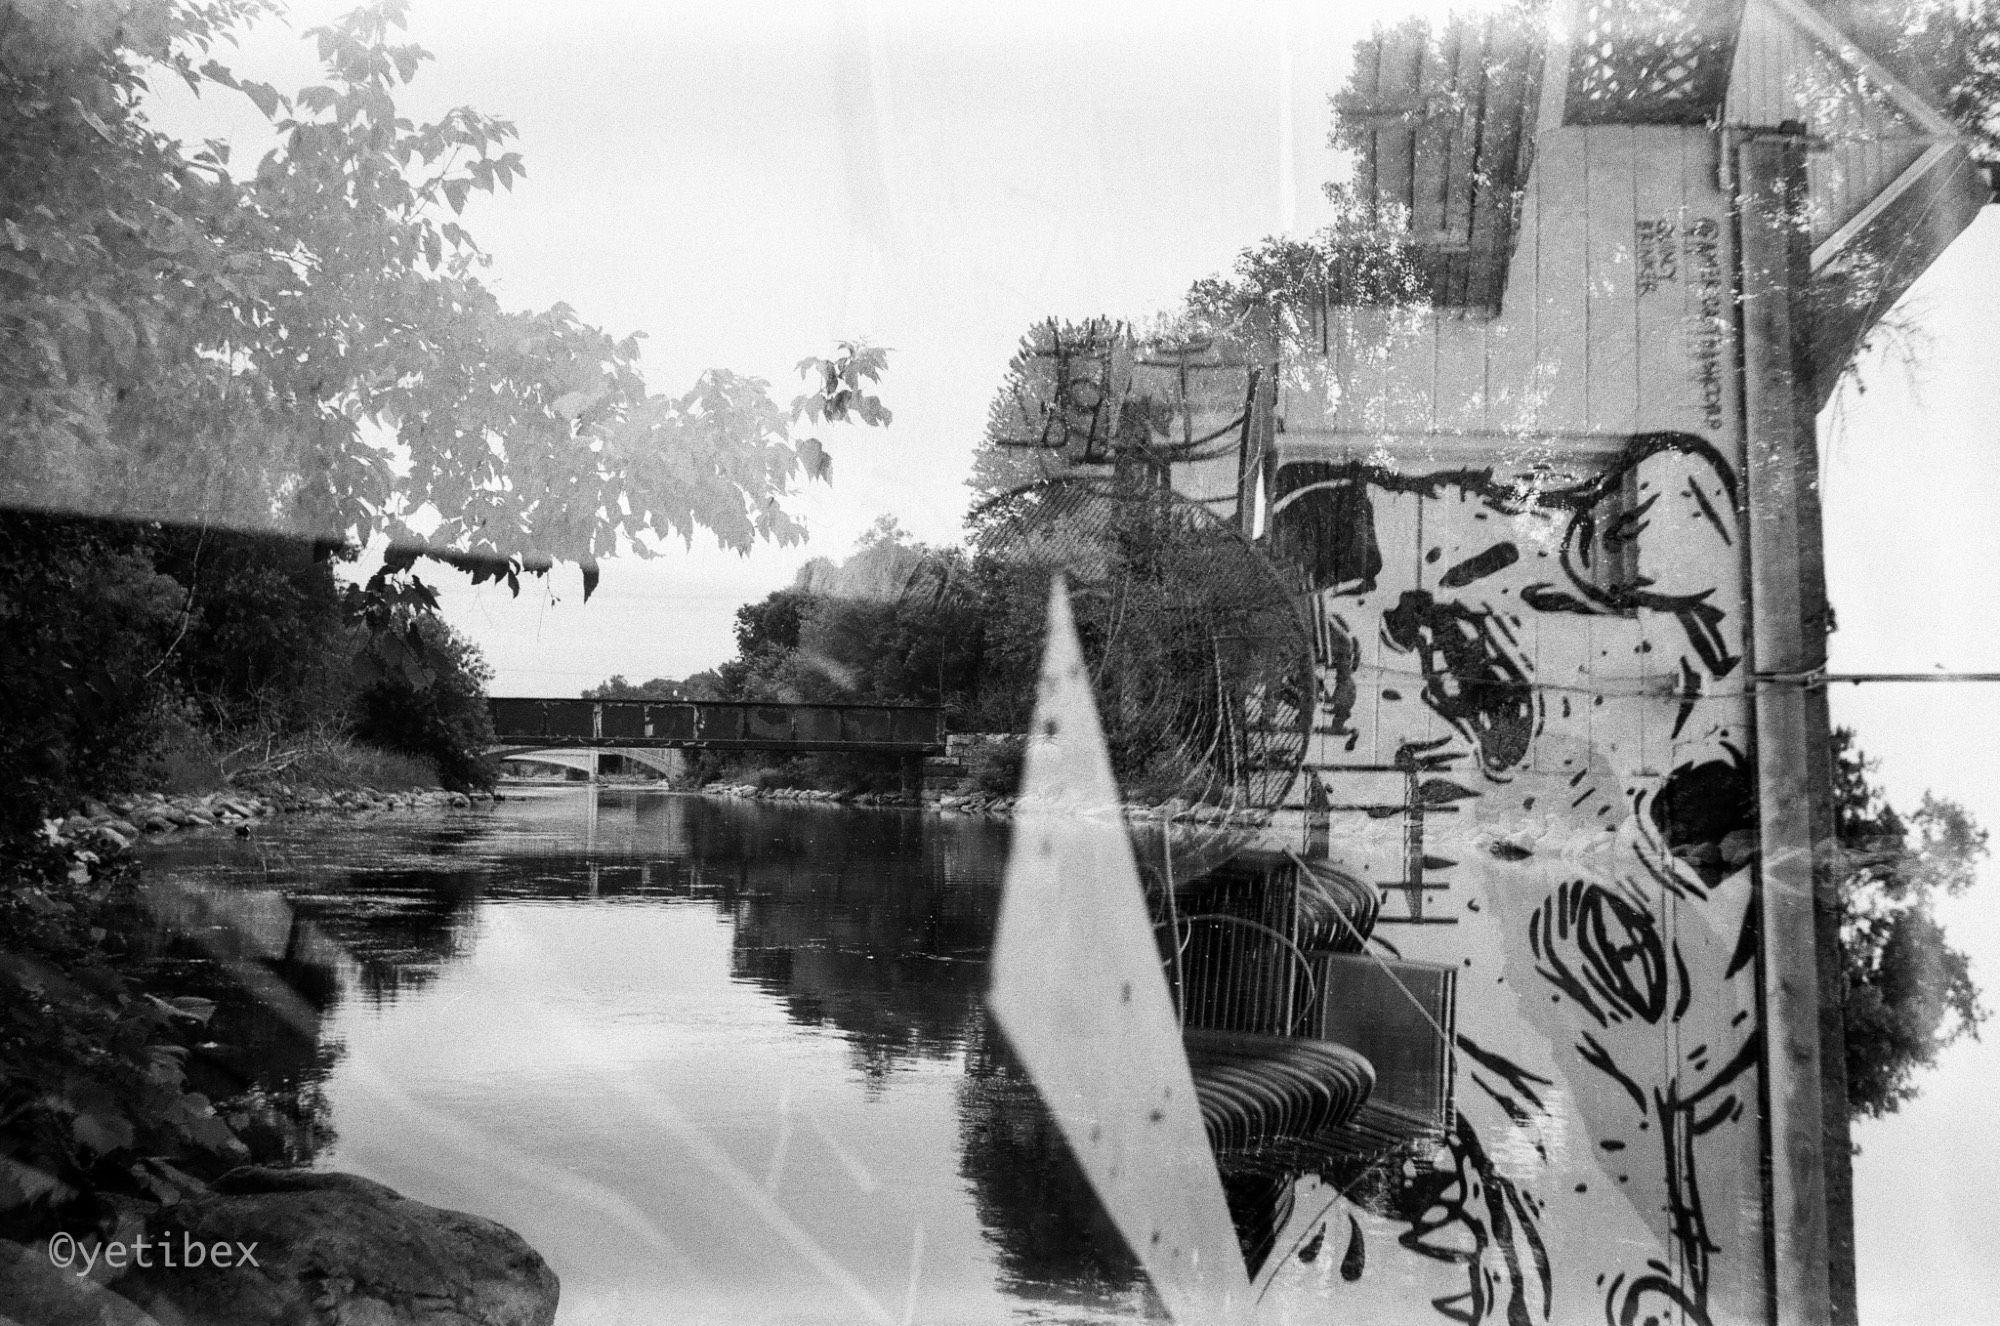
{"x": 107, "y": 1147}
{"x": 121, "y": 822}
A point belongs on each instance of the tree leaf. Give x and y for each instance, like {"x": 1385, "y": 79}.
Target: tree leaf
{"x": 102, "y": 1130}
{"x": 263, "y": 96}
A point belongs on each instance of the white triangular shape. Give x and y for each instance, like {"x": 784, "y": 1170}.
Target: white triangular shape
{"x": 1079, "y": 991}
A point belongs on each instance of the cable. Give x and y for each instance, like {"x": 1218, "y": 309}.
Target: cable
{"x": 1362, "y": 939}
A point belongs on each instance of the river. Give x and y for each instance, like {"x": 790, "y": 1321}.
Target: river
{"x": 719, "y": 1061}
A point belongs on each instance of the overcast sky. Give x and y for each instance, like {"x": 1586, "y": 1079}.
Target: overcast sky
{"x": 748, "y": 182}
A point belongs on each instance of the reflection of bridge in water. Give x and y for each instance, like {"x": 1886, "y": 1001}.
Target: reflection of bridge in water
{"x": 572, "y": 732}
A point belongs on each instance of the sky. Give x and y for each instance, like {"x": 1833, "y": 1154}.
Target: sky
{"x": 748, "y": 183}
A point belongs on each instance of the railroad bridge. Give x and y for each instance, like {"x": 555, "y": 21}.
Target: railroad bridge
{"x": 571, "y": 731}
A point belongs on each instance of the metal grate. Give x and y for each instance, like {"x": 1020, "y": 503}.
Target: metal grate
{"x": 1202, "y": 666}
{"x": 1644, "y": 62}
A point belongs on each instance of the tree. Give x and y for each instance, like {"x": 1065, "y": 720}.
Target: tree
{"x": 84, "y": 620}
{"x": 306, "y": 348}
{"x": 617, "y": 688}
{"x": 1946, "y": 49}
{"x": 1909, "y": 993}
{"x": 441, "y": 716}
{"x": 704, "y": 685}
{"x": 261, "y": 350}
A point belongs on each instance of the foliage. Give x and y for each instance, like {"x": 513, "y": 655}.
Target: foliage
{"x": 132, "y": 653}
{"x": 1948, "y": 49}
{"x": 256, "y": 348}
{"x": 85, "y": 619}
{"x": 1016, "y": 447}
{"x": 841, "y": 394}
{"x": 704, "y": 685}
{"x": 1909, "y": 992}
{"x": 995, "y": 768}
{"x": 263, "y": 638}
{"x": 92, "y": 1068}
{"x": 897, "y": 622}
{"x": 1170, "y": 606}
{"x": 1358, "y": 258}
{"x": 441, "y": 716}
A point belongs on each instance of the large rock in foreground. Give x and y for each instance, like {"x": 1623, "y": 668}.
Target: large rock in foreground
{"x": 35, "y": 1293}
{"x": 338, "y": 1250}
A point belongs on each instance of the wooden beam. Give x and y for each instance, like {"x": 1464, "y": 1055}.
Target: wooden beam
{"x": 1811, "y": 1240}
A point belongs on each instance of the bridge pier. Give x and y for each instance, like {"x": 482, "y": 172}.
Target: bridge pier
{"x": 912, "y": 770}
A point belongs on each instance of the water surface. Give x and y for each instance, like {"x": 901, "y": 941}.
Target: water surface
{"x": 718, "y": 1061}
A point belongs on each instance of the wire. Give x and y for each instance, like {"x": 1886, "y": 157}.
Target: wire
{"x": 1362, "y": 939}
{"x": 1857, "y": 678}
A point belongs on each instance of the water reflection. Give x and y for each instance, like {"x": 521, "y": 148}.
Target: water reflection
{"x": 751, "y": 1036}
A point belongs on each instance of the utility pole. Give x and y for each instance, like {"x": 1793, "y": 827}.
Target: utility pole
{"x": 1810, "y": 1174}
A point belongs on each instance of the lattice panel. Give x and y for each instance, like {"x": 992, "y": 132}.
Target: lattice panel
{"x": 1643, "y": 62}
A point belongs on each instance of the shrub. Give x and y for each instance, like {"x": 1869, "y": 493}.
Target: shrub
{"x": 995, "y": 767}
{"x": 436, "y": 709}
{"x": 84, "y": 622}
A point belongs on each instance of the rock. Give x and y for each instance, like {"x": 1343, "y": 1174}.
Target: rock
{"x": 34, "y": 1292}
{"x": 109, "y": 837}
{"x": 340, "y": 1248}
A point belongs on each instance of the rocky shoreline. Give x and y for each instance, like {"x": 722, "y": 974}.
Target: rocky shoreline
{"x": 121, "y": 822}
{"x": 327, "y": 1247}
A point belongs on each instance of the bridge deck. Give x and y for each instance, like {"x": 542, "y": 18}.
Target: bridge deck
{"x": 525, "y": 723}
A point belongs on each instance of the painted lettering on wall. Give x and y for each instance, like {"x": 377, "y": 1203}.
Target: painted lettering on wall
{"x": 1711, "y": 328}
{"x": 1657, "y": 243}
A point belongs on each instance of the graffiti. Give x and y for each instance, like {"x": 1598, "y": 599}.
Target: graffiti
{"x": 1324, "y": 522}
{"x": 1470, "y": 678}
{"x": 1495, "y": 559}
{"x": 1706, "y": 816}
{"x": 1462, "y": 1213}
{"x": 1331, "y": 536}
{"x": 1623, "y": 969}
{"x": 1570, "y": 623}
